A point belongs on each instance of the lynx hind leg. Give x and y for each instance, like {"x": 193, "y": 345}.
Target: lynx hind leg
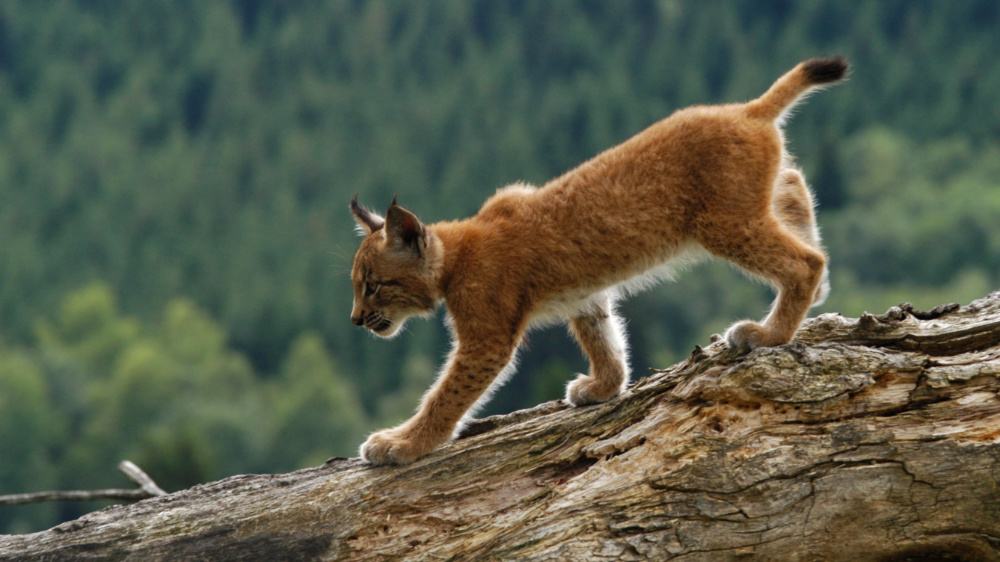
{"x": 601, "y": 335}
{"x": 793, "y": 206}
{"x": 794, "y": 267}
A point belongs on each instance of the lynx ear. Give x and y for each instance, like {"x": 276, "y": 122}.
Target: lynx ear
{"x": 368, "y": 221}
{"x": 404, "y": 230}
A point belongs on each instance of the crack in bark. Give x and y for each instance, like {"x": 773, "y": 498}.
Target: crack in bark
{"x": 676, "y": 468}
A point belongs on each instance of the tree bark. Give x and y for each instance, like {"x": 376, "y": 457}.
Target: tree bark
{"x": 865, "y": 439}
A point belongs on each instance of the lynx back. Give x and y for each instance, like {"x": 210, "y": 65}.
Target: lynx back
{"x": 706, "y": 181}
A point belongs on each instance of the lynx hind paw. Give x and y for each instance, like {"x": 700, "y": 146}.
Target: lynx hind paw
{"x": 387, "y": 447}
{"x": 585, "y": 390}
{"x": 747, "y": 335}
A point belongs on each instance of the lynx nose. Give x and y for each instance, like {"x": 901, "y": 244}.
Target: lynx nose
{"x": 358, "y": 320}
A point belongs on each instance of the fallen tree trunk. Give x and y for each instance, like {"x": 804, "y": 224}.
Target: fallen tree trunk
{"x": 868, "y": 439}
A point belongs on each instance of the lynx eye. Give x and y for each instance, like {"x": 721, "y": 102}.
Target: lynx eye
{"x": 371, "y": 288}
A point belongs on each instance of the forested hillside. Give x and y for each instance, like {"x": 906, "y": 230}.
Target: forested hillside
{"x": 174, "y": 180}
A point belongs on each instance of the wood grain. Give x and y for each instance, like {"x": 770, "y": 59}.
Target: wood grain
{"x": 866, "y": 439}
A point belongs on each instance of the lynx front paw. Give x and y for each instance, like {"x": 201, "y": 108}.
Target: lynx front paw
{"x": 585, "y": 390}
{"x": 389, "y": 447}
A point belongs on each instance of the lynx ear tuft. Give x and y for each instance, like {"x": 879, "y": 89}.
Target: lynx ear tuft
{"x": 367, "y": 221}
{"x": 404, "y": 230}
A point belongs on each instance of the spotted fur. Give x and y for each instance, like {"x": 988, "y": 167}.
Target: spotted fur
{"x": 708, "y": 180}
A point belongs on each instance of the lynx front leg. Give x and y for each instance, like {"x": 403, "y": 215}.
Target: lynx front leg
{"x": 468, "y": 373}
{"x": 602, "y": 338}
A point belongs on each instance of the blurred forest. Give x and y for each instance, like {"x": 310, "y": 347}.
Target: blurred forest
{"x": 174, "y": 177}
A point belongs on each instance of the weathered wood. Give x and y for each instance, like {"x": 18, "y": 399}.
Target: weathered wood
{"x": 867, "y": 439}
{"x": 147, "y": 489}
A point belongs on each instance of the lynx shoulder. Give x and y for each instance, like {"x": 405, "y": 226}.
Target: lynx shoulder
{"x": 708, "y": 180}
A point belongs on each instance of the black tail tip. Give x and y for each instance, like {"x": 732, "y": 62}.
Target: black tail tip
{"x": 825, "y": 70}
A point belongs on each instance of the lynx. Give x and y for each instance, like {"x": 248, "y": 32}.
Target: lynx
{"x": 708, "y": 180}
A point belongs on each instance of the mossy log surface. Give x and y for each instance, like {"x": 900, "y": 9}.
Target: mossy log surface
{"x": 865, "y": 439}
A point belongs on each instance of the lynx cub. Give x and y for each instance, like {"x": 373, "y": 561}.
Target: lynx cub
{"x": 708, "y": 179}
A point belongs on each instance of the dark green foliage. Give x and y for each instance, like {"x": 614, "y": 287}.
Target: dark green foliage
{"x": 175, "y": 175}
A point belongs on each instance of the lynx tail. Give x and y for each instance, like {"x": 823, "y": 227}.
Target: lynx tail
{"x": 789, "y": 89}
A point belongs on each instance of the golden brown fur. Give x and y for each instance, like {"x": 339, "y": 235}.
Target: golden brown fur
{"x": 712, "y": 179}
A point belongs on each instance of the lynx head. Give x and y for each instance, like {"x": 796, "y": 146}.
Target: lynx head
{"x": 395, "y": 271}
